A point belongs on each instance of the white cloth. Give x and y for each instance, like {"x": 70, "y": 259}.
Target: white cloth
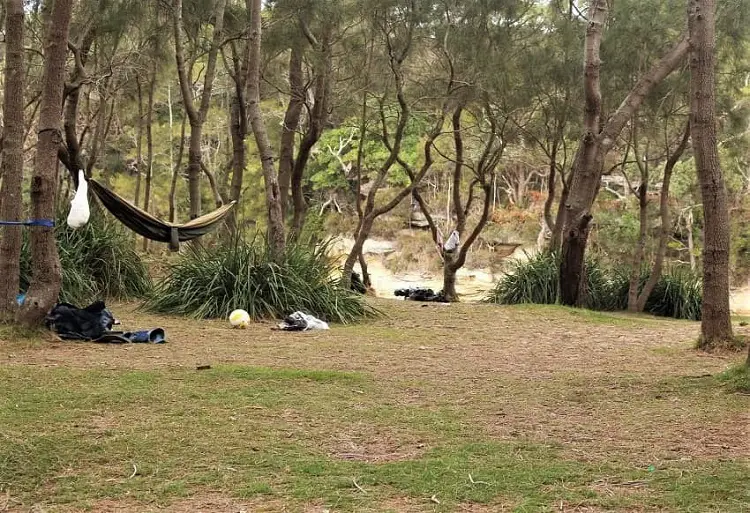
{"x": 79, "y": 207}
{"x": 452, "y": 243}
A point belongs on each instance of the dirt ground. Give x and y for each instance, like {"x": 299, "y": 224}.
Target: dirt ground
{"x": 605, "y": 387}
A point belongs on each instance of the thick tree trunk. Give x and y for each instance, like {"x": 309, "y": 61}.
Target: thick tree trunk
{"x": 596, "y": 142}
{"x": 291, "y": 122}
{"x": 359, "y": 242}
{"x": 12, "y": 159}
{"x": 45, "y": 263}
{"x": 449, "y": 279}
{"x": 716, "y": 326}
{"x": 273, "y": 195}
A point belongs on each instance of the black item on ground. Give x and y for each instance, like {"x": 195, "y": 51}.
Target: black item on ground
{"x": 421, "y": 294}
{"x": 356, "y": 283}
{"x": 73, "y": 323}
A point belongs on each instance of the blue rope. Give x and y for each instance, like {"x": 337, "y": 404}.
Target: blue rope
{"x": 48, "y": 223}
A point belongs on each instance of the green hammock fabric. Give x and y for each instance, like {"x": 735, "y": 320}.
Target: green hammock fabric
{"x": 143, "y": 223}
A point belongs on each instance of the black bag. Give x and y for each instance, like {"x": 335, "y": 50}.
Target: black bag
{"x": 73, "y": 323}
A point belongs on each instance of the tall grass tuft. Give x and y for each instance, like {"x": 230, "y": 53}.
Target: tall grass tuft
{"x": 677, "y": 294}
{"x": 210, "y": 282}
{"x": 98, "y": 261}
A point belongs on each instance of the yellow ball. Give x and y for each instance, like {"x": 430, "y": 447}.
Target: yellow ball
{"x": 239, "y": 319}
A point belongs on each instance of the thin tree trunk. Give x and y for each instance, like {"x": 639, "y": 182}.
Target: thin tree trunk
{"x": 138, "y": 144}
{"x": 291, "y": 122}
{"x": 315, "y": 124}
{"x": 149, "y": 149}
{"x": 666, "y": 223}
{"x": 716, "y": 325}
{"x": 556, "y": 238}
{"x": 12, "y": 159}
{"x": 640, "y": 248}
{"x": 273, "y": 196}
{"x": 551, "y": 189}
{"x": 198, "y": 115}
{"x": 176, "y": 172}
{"x": 45, "y": 263}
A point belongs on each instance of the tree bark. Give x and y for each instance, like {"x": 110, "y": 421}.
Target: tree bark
{"x": 149, "y": 149}
{"x": 46, "y": 277}
{"x": 176, "y": 173}
{"x": 138, "y": 144}
{"x": 315, "y": 123}
{"x": 197, "y": 116}
{"x": 12, "y": 159}
{"x": 273, "y": 195}
{"x": 666, "y": 223}
{"x": 716, "y": 326}
{"x": 291, "y": 122}
{"x": 596, "y": 142}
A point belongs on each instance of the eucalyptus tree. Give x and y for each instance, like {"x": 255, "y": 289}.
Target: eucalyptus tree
{"x": 12, "y": 158}
{"x": 46, "y": 277}
{"x": 600, "y": 132}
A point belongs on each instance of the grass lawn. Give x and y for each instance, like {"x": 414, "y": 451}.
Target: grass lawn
{"x": 466, "y": 407}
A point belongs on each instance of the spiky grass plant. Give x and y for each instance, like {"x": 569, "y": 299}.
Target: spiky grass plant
{"x": 98, "y": 261}
{"x": 210, "y": 282}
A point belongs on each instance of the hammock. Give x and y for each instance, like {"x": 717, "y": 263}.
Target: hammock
{"x": 143, "y": 223}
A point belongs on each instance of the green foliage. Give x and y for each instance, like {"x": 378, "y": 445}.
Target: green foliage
{"x": 210, "y": 282}
{"x": 98, "y": 261}
{"x": 677, "y": 294}
{"x": 737, "y": 379}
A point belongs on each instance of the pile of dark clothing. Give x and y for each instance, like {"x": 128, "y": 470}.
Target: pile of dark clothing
{"x": 421, "y": 294}
{"x": 95, "y": 323}
{"x": 356, "y": 283}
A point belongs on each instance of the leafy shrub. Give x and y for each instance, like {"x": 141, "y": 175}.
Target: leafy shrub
{"x": 677, "y": 294}
{"x": 737, "y": 378}
{"x": 211, "y": 282}
{"x": 98, "y": 261}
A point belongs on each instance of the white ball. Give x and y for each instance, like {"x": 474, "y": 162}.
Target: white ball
{"x": 239, "y": 319}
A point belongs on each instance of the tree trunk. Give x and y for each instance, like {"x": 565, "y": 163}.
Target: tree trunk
{"x": 359, "y": 242}
{"x": 45, "y": 263}
{"x": 197, "y": 116}
{"x": 12, "y": 159}
{"x": 138, "y": 144}
{"x": 449, "y": 279}
{"x": 555, "y": 242}
{"x": 551, "y": 189}
{"x": 640, "y": 248}
{"x": 273, "y": 196}
{"x": 716, "y": 326}
{"x": 315, "y": 124}
{"x": 666, "y": 223}
{"x": 149, "y": 149}
{"x": 291, "y": 122}
{"x": 596, "y": 142}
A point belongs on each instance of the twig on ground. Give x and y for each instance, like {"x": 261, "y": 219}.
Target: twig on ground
{"x": 358, "y": 487}
{"x": 135, "y": 471}
{"x": 435, "y": 499}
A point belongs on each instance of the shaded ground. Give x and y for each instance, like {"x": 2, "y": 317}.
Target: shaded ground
{"x": 434, "y": 408}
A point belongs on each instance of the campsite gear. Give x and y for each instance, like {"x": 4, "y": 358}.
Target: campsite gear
{"x": 46, "y": 223}
{"x": 79, "y": 207}
{"x": 239, "y": 319}
{"x": 148, "y": 226}
{"x": 452, "y": 243}
{"x": 299, "y": 321}
{"x": 73, "y": 323}
{"x": 421, "y": 294}
{"x": 95, "y": 323}
{"x": 154, "y": 336}
{"x": 356, "y": 283}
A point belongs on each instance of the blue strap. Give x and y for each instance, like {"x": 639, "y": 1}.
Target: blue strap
{"x": 48, "y": 223}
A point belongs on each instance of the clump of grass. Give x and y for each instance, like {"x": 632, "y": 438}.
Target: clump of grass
{"x": 737, "y": 379}
{"x": 677, "y": 294}
{"x": 98, "y": 261}
{"x": 210, "y": 282}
